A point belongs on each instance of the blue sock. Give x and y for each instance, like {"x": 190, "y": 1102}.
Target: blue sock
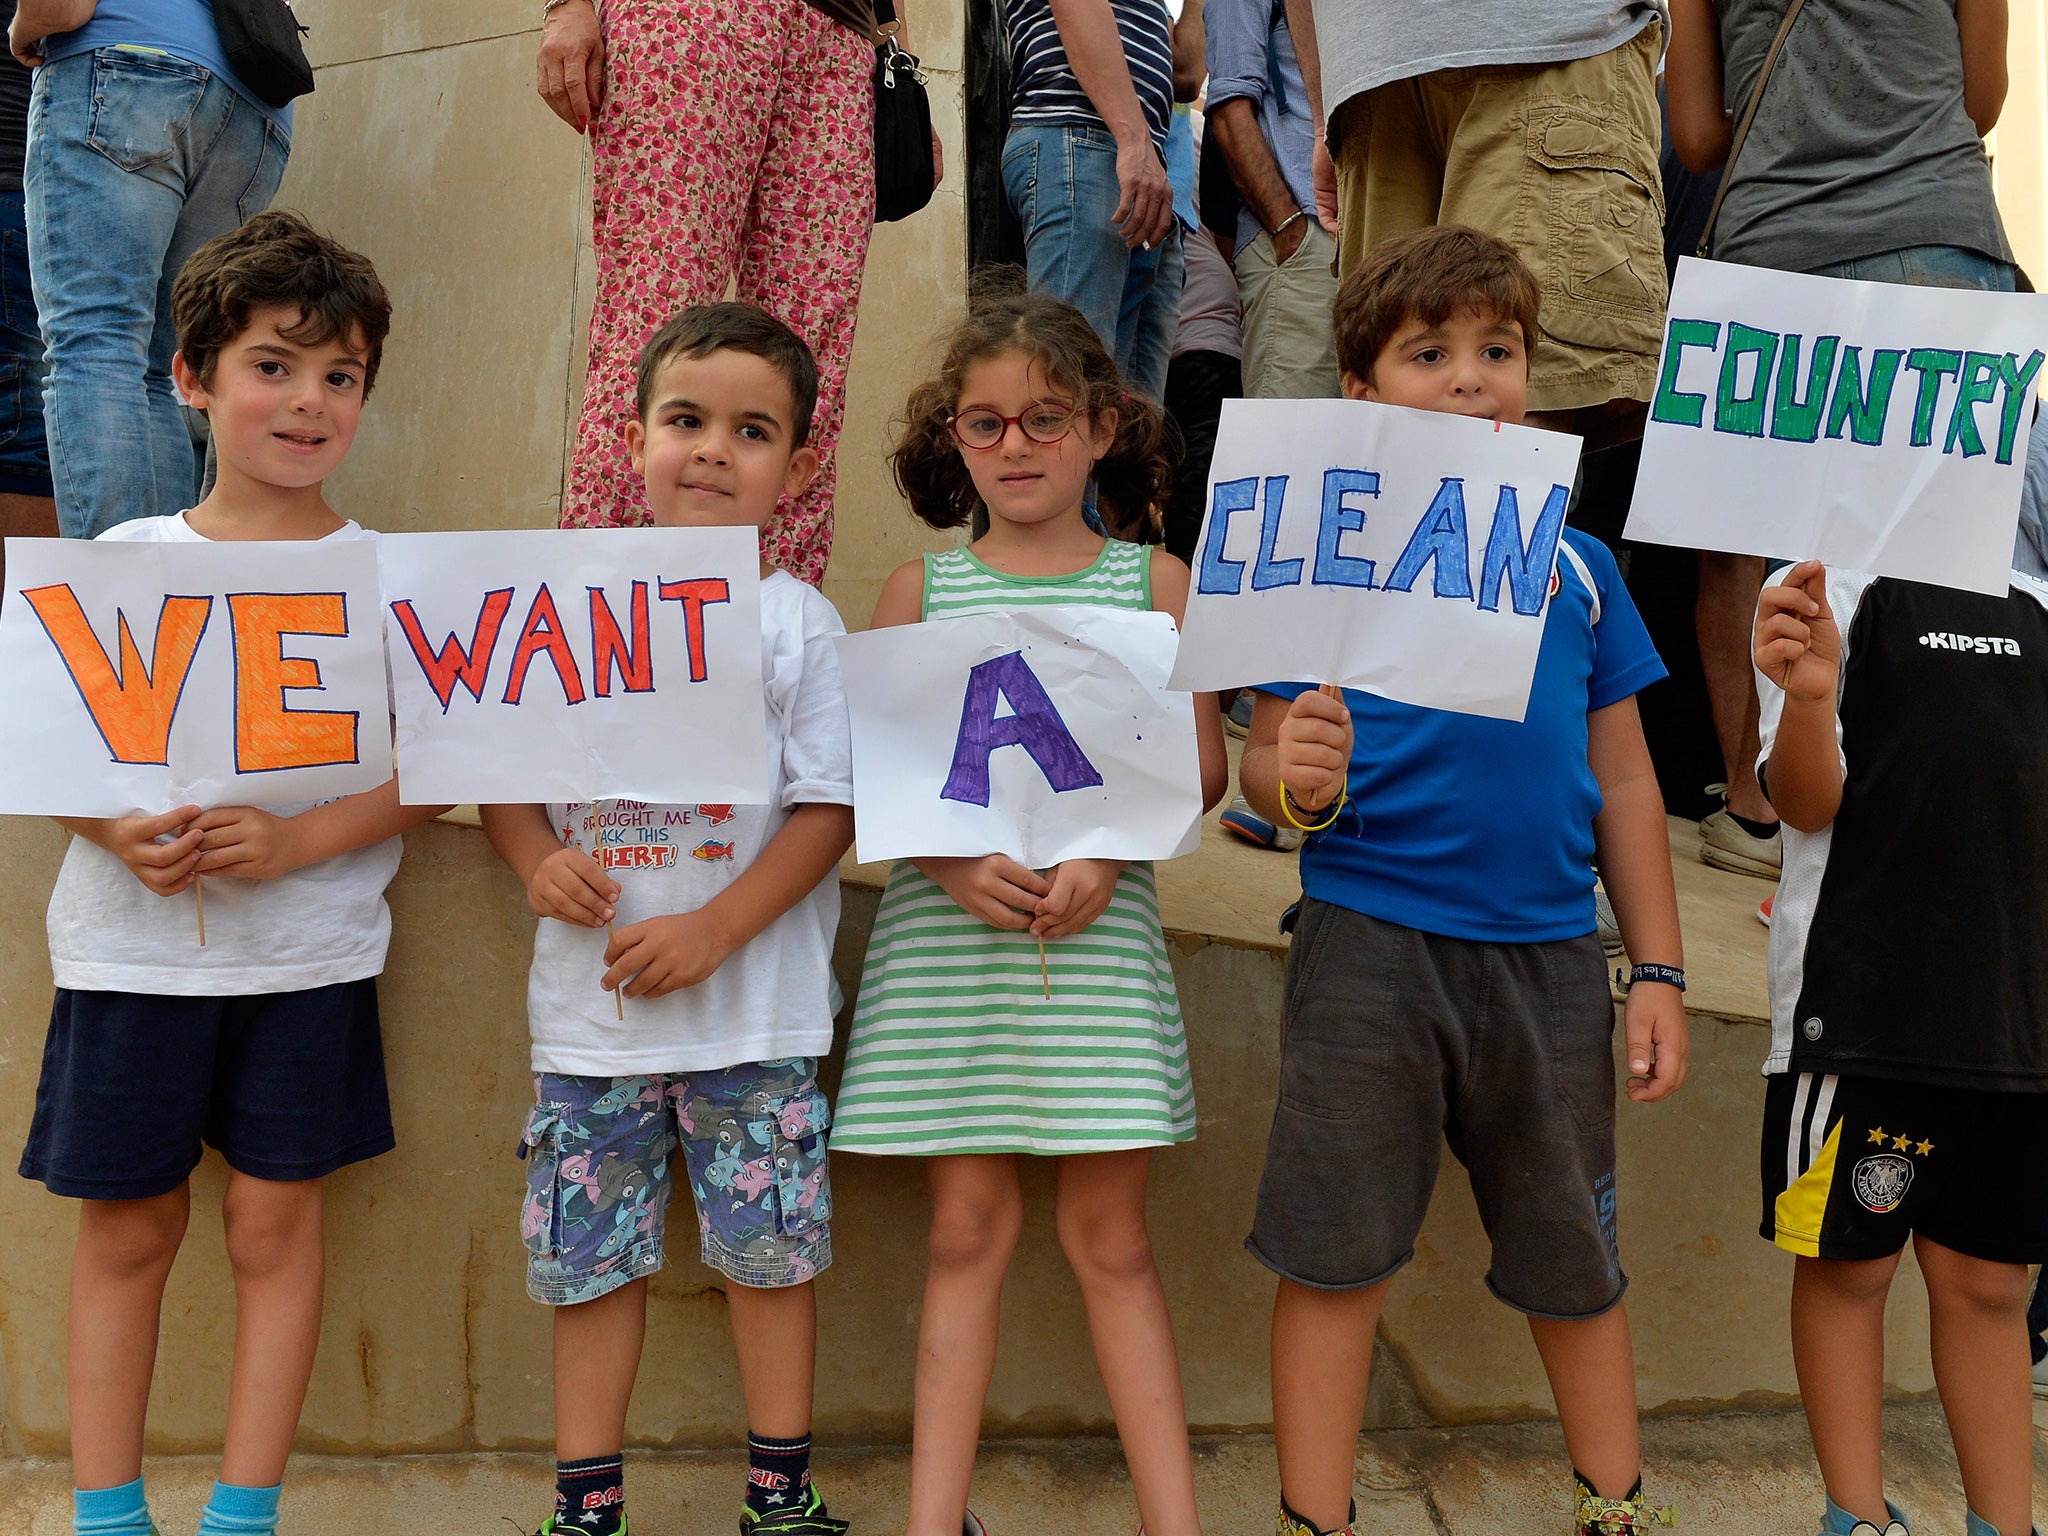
{"x": 118, "y": 1511}
{"x": 236, "y": 1511}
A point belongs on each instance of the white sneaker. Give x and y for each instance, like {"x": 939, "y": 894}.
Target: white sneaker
{"x": 1724, "y": 844}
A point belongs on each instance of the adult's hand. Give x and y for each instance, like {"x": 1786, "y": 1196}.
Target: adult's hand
{"x": 1144, "y": 212}
{"x": 569, "y": 70}
{"x": 1288, "y": 241}
{"x": 35, "y": 20}
{"x": 1323, "y": 173}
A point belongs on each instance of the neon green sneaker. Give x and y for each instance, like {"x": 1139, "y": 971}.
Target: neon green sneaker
{"x": 554, "y": 1526}
{"x": 1619, "y": 1517}
{"x": 807, "y": 1518}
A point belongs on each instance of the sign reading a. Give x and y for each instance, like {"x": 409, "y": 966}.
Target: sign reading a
{"x": 1046, "y": 734}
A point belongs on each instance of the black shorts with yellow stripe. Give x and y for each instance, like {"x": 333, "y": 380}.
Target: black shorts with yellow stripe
{"x": 1853, "y": 1166}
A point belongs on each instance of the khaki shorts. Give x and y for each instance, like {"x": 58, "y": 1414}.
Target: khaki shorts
{"x": 1290, "y": 351}
{"x": 1558, "y": 160}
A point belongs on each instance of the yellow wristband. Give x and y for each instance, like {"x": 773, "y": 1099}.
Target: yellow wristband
{"x": 1287, "y": 810}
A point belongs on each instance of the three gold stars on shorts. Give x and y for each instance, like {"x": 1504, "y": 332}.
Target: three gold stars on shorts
{"x": 1879, "y": 1136}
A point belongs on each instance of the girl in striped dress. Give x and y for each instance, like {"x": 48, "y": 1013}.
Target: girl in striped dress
{"x": 957, "y": 1054}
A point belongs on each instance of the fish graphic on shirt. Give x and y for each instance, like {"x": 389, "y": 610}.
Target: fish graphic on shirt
{"x": 716, "y": 815}
{"x": 711, "y": 851}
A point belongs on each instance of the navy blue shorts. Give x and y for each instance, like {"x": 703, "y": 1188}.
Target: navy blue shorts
{"x": 286, "y": 1085}
{"x": 24, "y": 450}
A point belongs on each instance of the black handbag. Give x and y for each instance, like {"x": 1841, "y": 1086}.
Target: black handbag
{"x": 261, "y": 41}
{"x": 903, "y": 128}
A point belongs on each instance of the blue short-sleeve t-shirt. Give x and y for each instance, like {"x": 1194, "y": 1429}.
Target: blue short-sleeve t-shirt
{"x": 1479, "y": 828}
{"x": 184, "y": 29}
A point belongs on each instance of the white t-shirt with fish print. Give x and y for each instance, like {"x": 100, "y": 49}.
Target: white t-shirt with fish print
{"x": 773, "y": 999}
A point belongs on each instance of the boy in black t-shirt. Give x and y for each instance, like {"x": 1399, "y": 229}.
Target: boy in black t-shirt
{"x": 1905, "y": 746}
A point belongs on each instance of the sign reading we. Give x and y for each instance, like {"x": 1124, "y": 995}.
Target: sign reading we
{"x": 144, "y": 676}
{"x": 577, "y": 664}
{"x": 1877, "y": 427}
{"x": 1046, "y": 734}
{"x": 1408, "y": 553}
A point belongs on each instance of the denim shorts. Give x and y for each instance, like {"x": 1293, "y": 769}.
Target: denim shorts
{"x": 1928, "y": 266}
{"x": 24, "y": 451}
{"x": 1394, "y": 1042}
{"x": 597, "y": 1176}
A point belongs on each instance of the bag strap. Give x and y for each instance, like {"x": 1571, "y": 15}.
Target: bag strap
{"x": 885, "y": 14}
{"x": 1756, "y": 97}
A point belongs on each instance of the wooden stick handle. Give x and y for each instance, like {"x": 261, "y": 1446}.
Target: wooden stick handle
{"x": 199, "y": 901}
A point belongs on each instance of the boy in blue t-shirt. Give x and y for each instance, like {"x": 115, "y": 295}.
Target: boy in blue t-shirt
{"x": 1446, "y": 979}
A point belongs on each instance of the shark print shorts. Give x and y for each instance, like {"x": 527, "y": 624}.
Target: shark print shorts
{"x": 598, "y": 1152}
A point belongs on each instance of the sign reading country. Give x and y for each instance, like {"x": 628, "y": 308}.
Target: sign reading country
{"x": 1874, "y": 426}
{"x": 577, "y": 665}
{"x": 142, "y": 676}
{"x": 1408, "y": 553}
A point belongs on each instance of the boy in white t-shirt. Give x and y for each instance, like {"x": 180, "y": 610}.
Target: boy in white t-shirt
{"x": 265, "y": 1042}
{"x": 722, "y": 920}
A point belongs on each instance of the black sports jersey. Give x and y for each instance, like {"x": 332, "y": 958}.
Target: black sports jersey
{"x": 1910, "y": 938}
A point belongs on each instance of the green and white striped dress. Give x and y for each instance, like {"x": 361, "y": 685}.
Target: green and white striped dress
{"x": 955, "y": 1047}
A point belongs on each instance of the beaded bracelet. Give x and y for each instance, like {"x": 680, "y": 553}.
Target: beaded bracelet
{"x": 1287, "y": 810}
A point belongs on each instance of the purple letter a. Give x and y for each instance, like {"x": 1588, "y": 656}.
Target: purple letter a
{"x": 1035, "y": 726}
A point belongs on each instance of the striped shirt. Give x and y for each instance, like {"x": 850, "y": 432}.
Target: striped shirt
{"x": 1043, "y": 86}
{"x": 955, "y": 1045}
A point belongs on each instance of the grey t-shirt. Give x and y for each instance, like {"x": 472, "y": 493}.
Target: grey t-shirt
{"x": 1860, "y": 144}
{"x": 1365, "y": 43}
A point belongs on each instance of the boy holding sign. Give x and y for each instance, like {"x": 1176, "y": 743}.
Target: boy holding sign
{"x": 1903, "y": 727}
{"x": 718, "y": 934}
{"x": 265, "y": 1041}
{"x": 1445, "y": 978}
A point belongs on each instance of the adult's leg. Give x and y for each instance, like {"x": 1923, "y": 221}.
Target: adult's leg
{"x": 1838, "y": 1353}
{"x": 806, "y": 241}
{"x": 1290, "y": 351}
{"x": 1388, "y": 147}
{"x": 124, "y": 1255}
{"x": 105, "y": 187}
{"x": 977, "y": 1214}
{"x": 688, "y": 93}
{"x": 236, "y": 179}
{"x": 1723, "y": 616}
{"x": 1592, "y": 1369}
{"x": 1322, "y": 1366}
{"x": 1588, "y": 225}
{"x": 1150, "y": 315}
{"x": 1101, "y": 1219}
{"x": 1061, "y": 182}
{"x": 277, "y": 1249}
{"x": 1197, "y": 384}
{"x": 27, "y": 508}
{"x": 1977, "y": 1335}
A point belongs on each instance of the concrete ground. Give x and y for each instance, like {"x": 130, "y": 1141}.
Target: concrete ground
{"x": 1726, "y": 1474}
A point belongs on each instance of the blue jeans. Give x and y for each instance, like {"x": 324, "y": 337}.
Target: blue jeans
{"x": 135, "y": 159}
{"x": 1062, "y": 183}
{"x": 24, "y": 453}
{"x": 1928, "y": 266}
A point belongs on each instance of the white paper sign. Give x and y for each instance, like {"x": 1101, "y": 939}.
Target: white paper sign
{"x": 142, "y": 677}
{"x": 1877, "y": 427}
{"x": 573, "y": 665}
{"x": 1046, "y": 734}
{"x": 1408, "y": 553}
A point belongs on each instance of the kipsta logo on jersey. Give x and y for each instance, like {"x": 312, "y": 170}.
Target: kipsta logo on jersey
{"x": 1881, "y": 1182}
{"x": 1981, "y": 645}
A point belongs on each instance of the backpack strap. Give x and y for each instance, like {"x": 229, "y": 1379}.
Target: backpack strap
{"x": 1756, "y": 97}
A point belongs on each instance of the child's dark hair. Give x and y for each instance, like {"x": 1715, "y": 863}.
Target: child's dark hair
{"x": 1132, "y": 479}
{"x": 278, "y": 259}
{"x": 703, "y": 329}
{"x": 1430, "y": 274}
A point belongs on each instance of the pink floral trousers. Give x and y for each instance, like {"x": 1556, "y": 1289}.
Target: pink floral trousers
{"x": 734, "y": 148}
